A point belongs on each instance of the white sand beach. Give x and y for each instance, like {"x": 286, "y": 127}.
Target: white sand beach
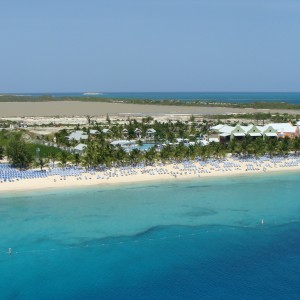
{"x": 129, "y": 175}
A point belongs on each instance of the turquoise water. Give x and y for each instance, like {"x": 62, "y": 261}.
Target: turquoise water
{"x": 198, "y": 239}
{"x": 190, "y": 96}
{"x": 143, "y": 147}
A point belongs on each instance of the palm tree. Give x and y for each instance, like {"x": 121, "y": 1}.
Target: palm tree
{"x": 1, "y": 152}
{"x": 134, "y": 156}
{"x": 63, "y": 158}
{"x": 257, "y": 147}
{"x": 119, "y": 154}
{"x": 42, "y": 163}
{"x": 244, "y": 147}
{"x": 191, "y": 152}
{"x": 89, "y": 154}
{"x": 85, "y": 162}
{"x": 52, "y": 156}
{"x": 296, "y": 145}
{"x": 215, "y": 149}
{"x": 180, "y": 152}
{"x": 166, "y": 153}
{"x": 76, "y": 159}
{"x": 88, "y": 118}
{"x": 205, "y": 152}
{"x": 284, "y": 146}
{"x": 219, "y": 151}
{"x": 232, "y": 146}
{"x": 150, "y": 156}
{"x": 271, "y": 146}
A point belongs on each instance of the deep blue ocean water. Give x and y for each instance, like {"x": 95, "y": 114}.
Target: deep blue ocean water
{"x": 196, "y": 239}
{"x": 190, "y": 96}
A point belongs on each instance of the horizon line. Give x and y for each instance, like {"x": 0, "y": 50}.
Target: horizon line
{"x": 149, "y": 92}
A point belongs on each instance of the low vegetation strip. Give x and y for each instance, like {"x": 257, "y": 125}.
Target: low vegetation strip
{"x": 200, "y": 102}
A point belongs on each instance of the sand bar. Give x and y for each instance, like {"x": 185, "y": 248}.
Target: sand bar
{"x": 80, "y": 108}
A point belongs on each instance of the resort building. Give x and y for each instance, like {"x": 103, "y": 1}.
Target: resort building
{"x": 270, "y": 132}
{"x": 106, "y": 131}
{"x": 275, "y": 130}
{"x": 150, "y": 133}
{"x": 138, "y": 133}
{"x": 79, "y": 148}
{"x": 13, "y": 126}
{"x": 22, "y": 125}
{"x": 124, "y": 133}
{"x": 213, "y": 140}
{"x": 78, "y": 136}
{"x": 180, "y": 140}
{"x": 286, "y": 130}
{"x": 203, "y": 142}
{"x": 122, "y": 143}
{"x": 94, "y": 131}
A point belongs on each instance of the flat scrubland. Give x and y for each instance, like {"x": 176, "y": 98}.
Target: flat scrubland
{"x": 80, "y": 108}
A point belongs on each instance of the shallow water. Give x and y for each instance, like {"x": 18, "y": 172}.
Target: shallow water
{"x": 199, "y": 239}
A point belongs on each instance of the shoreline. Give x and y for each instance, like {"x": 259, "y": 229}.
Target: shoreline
{"x": 170, "y": 172}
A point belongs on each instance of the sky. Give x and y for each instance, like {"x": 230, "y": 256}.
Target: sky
{"x": 149, "y": 45}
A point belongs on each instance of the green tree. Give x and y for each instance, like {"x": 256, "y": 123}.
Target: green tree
{"x": 284, "y": 146}
{"x": 191, "y": 152}
{"x": 60, "y": 137}
{"x": 180, "y": 152}
{"x": 147, "y": 120}
{"x": 119, "y": 155}
{"x": 89, "y": 154}
{"x": 17, "y": 152}
{"x": 88, "y": 118}
{"x": 63, "y": 158}
{"x": 245, "y": 146}
{"x": 108, "y": 119}
{"x": 296, "y": 145}
{"x": 192, "y": 118}
{"x": 271, "y": 146}
{"x": 166, "y": 153}
{"x": 256, "y": 147}
{"x": 205, "y": 152}
{"x": 150, "y": 156}
{"x": 1, "y": 152}
{"x": 134, "y": 156}
{"x": 42, "y": 162}
{"x": 52, "y": 157}
{"x": 76, "y": 159}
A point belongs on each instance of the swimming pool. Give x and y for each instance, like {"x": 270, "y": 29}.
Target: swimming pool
{"x": 143, "y": 147}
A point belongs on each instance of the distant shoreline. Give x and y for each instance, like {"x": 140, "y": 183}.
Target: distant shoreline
{"x": 221, "y": 97}
{"x": 289, "y": 101}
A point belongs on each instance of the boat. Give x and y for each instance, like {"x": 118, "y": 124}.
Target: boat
{"x": 91, "y": 94}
